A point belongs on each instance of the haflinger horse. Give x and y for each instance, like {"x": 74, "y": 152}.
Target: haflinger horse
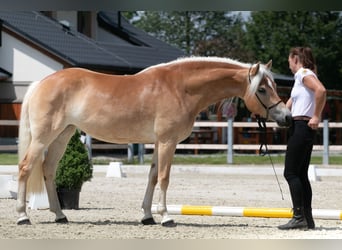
{"x": 157, "y": 105}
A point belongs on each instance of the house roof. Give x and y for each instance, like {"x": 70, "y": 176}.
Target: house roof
{"x": 130, "y": 50}
{"x": 4, "y": 74}
{"x": 149, "y": 50}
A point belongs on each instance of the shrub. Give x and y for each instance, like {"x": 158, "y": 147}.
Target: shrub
{"x": 74, "y": 168}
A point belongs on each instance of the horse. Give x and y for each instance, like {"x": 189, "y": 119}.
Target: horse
{"x": 156, "y": 105}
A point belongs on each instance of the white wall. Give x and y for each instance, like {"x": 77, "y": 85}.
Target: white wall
{"x": 24, "y": 62}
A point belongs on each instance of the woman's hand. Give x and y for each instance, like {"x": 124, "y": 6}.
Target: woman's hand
{"x": 314, "y": 122}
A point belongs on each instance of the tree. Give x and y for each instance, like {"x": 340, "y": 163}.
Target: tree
{"x": 226, "y": 39}
{"x": 170, "y": 27}
{"x": 271, "y": 34}
{"x": 206, "y": 33}
{"x": 266, "y": 35}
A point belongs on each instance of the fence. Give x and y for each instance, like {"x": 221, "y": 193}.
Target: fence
{"x": 229, "y": 146}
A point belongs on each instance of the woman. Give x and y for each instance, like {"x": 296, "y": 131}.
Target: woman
{"x": 306, "y": 103}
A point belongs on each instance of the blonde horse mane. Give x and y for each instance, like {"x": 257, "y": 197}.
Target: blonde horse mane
{"x": 254, "y": 81}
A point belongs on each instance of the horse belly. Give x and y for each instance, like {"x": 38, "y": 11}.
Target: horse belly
{"x": 121, "y": 132}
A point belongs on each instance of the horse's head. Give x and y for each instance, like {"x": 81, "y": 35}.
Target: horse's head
{"x": 262, "y": 98}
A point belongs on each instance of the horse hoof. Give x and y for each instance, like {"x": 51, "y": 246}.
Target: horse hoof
{"x": 24, "y": 222}
{"x": 62, "y": 220}
{"x": 169, "y": 223}
{"x": 148, "y": 221}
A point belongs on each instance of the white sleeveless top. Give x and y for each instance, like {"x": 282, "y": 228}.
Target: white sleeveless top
{"x": 303, "y": 99}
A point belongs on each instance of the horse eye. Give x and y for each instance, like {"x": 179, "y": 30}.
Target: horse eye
{"x": 262, "y": 90}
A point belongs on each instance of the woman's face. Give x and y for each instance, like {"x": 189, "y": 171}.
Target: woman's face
{"x": 293, "y": 63}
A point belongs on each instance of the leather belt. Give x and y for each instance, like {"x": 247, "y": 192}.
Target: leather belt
{"x": 301, "y": 118}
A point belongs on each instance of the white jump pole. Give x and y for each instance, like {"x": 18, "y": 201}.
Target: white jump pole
{"x": 328, "y": 214}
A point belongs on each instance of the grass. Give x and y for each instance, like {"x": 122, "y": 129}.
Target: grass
{"x": 246, "y": 159}
{"x": 209, "y": 159}
{"x": 8, "y": 159}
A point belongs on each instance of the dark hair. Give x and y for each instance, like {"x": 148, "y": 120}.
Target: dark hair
{"x": 305, "y": 56}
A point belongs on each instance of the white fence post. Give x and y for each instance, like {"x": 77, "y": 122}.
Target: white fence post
{"x": 89, "y": 147}
{"x": 141, "y": 149}
{"x": 326, "y": 142}
{"x": 230, "y": 141}
{"x": 130, "y": 152}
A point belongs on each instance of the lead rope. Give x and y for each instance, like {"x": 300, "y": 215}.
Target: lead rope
{"x": 262, "y": 127}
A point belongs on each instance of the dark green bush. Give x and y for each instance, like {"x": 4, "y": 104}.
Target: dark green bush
{"x": 75, "y": 167}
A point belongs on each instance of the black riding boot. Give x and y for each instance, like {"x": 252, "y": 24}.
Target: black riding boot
{"x": 309, "y": 219}
{"x": 298, "y": 220}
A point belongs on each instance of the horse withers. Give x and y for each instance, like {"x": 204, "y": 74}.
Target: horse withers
{"x": 157, "y": 105}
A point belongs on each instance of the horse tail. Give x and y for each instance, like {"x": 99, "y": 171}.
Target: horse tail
{"x": 35, "y": 181}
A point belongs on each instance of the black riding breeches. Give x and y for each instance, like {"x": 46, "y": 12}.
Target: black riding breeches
{"x": 297, "y": 161}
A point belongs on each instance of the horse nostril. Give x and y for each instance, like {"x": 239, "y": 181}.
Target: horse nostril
{"x": 288, "y": 119}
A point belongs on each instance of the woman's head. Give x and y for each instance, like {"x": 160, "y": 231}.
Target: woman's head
{"x": 302, "y": 56}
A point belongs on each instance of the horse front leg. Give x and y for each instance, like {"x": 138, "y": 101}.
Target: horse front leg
{"x": 152, "y": 181}
{"x": 166, "y": 152}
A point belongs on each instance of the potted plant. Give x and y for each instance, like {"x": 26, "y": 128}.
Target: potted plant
{"x": 73, "y": 170}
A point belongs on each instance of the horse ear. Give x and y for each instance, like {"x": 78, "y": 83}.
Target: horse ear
{"x": 255, "y": 69}
{"x": 269, "y": 64}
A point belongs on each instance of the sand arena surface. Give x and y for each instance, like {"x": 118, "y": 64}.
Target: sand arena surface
{"x": 110, "y": 208}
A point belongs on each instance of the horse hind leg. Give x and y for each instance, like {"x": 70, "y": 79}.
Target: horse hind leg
{"x": 54, "y": 154}
{"x": 31, "y": 163}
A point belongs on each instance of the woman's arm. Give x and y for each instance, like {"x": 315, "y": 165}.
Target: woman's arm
{"x": 320, "y": 97}
{"x": 289, "y": 103}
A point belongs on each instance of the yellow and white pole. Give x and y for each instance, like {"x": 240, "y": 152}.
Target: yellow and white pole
{"x": 328, "y": 214}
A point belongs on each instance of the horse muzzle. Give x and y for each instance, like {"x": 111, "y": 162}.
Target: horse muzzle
{"x": 286, "y": 122}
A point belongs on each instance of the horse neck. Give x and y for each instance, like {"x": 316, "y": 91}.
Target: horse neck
{"x": 208, "y": 85}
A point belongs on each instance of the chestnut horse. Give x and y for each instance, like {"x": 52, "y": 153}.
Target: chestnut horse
{"x": 157, "y": 105}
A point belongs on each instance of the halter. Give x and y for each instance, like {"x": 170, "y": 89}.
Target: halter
{"x": 262, "y": 128}
{"x": 265, "y": 107}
